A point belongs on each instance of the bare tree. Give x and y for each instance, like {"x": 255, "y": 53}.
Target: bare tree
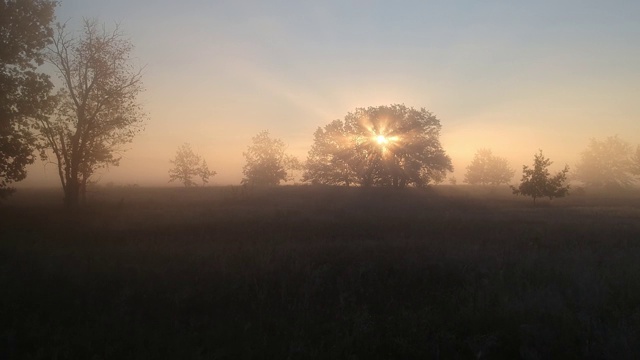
{"x": 187, "y": 165}
{"x": 98, "y": 111}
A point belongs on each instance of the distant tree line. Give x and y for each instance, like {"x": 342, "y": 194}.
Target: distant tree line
{"x": 82, "y": 125}
{"x": 393, "y": 146}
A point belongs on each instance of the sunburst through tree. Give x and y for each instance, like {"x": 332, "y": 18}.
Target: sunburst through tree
{"x": 379, "y": 146}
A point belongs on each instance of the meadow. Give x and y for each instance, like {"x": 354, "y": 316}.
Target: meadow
{"x": 305, "y": 272}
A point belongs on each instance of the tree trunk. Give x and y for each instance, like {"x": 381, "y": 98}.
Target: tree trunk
{"x": 72, "y": 193}
{"x": 83, "y": 192}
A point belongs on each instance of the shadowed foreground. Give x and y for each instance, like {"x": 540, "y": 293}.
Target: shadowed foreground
{"x": 305, "y": 272}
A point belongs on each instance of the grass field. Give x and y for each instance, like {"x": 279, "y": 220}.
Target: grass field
{"x": 319, "y": 272}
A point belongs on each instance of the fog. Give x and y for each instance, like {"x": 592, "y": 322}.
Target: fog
{"x": 513, "y": 78}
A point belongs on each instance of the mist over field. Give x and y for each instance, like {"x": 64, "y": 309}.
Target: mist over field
{"x": 320, "y": 272}
{"x": 511, "y": 77}
{"x": 331, "y": 180}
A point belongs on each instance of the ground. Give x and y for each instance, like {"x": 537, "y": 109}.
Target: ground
{"x": 310, "y": 272}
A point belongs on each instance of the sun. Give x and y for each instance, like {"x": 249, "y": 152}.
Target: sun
{"x": 382, "y": 140}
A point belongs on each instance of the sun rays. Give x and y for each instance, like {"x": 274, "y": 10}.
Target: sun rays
{"x": 382, "y": 140}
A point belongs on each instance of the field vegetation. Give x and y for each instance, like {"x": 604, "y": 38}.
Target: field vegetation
{"x": 319, "y": 272}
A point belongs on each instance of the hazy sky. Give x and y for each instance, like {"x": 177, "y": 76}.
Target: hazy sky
{"x": 513, "y": 76}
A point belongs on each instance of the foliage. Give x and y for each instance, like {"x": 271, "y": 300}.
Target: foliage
{"x": 606, "y": 163}
{"x": 328, "y": 159}
{"x": 488, "y": 169}
{"x": 187, "y": 165}
{"x": 537, "y": 181}
{"x": 266, "y": 161}
{"x": 292, "y": 165}
{"x": 98, "y": 111}
{"x": 25, "y": 31}
{"x": 379, "y": 146}
{"x": 635, "y": 162}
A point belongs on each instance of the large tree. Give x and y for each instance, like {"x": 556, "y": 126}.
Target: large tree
{"x": 537, "y": 182}
{"x": 379, "y": 146}
{"x": 488, "y": 169}
{"x": 98, "y": 111}
{"x": 327, "y": 161}
{"x": 25, "y": 31}
{"x": 267, "y": 164}
{"x": 606, "y": 163}
{"x": 188, "y": 165}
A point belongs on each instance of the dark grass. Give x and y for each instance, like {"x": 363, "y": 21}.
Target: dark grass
{"x": 314, "y": 272}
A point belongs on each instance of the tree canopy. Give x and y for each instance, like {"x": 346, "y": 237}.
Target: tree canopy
{"x": 267, "y": 164}
{"x": 379, "y": 146}
{"x": 25, "y": 31}
{"x": 328, "y": 159}
{"x": 635, "y": 163}
{"x": 98, "y": 111}
{"x": 537, "y": 182}
{"x": 606, "y": 163}
{"x": 488, "y": 169}
{"x": 188, "y": 165}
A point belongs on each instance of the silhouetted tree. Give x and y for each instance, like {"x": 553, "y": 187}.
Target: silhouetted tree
{"x": 25, "y": 31}
{"x": 379, "y": 146}
{"x": 188, "y": 165}
{"x": 635, "y": 163}
{"x": 488, "y": 169}
{"x": 98, "y": 110}
{"x": 606, "y": 163}
{"x": 537, "y": 181}
{"x": 292, "y": 165}
{"x": 328, "y": 159}
{"x": 266, "y": 161}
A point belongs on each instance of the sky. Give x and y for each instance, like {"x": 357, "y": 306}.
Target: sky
{"x": 512, "y": 76}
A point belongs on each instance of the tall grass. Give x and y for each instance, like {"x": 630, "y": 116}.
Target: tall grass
{"x": 306, "y": 272}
